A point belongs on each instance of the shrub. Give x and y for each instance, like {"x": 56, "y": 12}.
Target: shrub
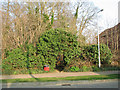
{"x": 91, "y": 53}
{"x": 17, "y": 59}
{"x": 74, "y": 69}
{"x": 89, "y": 57}
{"x": 85, "y": 68}
{"x": 95, "y": 68}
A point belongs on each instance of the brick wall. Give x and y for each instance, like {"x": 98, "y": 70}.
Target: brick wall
{"x": 111, "y": 37}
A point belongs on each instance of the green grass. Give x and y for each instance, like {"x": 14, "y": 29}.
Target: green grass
{"x": 93, "y": 77}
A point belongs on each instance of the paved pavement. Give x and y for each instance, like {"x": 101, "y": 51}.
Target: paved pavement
{"x": 65, "y": 84}
{"x": 57, "y": 74}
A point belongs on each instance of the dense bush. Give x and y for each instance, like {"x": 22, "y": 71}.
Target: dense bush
{"x": 17, "y": 59}
{"x": 85, "y": 68}
{"x": 74, "y": 69}
{"x": 57, "y": 42}
{"x": 91, "y": 53}
{"x": 89, "y": 58}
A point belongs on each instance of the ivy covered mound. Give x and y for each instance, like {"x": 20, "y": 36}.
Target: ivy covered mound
{"x": 58, "y": 49}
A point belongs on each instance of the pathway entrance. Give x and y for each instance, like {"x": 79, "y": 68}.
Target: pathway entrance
{"x": 60, "y": 64}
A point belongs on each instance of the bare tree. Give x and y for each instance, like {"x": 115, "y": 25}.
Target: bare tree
{"x": 26, "y": 21}
{"x": 85, "y": 15}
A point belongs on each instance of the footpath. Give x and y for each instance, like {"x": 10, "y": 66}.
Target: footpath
{"x": 57, "y": 74}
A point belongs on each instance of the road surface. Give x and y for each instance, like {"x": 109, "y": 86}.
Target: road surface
{"x": 65, "y": 84}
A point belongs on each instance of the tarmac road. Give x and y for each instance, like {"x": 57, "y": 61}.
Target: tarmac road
{"x": 111, "y": 84}
{"x": 66, "y": 84}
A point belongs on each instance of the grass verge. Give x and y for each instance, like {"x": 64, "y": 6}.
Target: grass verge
{"x": 93, "y": 77}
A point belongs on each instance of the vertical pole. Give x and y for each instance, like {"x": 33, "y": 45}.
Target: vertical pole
{"x": 98, "y": 43}
{"x": 99, "y": 50}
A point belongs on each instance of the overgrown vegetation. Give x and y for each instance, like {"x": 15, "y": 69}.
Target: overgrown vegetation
{"x": 32, "y": 37}
{"x": 91, "y": 53}
{"x": 58, "y": 49}
{"x": 51, "y": 43}
{"x": 89, "y": 59}
{"x": 55, "y": 43}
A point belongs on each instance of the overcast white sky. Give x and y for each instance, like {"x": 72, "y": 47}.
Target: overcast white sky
{"x": 110, "y": 13}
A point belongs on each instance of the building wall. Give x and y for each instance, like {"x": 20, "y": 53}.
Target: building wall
{"x": 111, "y": 37}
